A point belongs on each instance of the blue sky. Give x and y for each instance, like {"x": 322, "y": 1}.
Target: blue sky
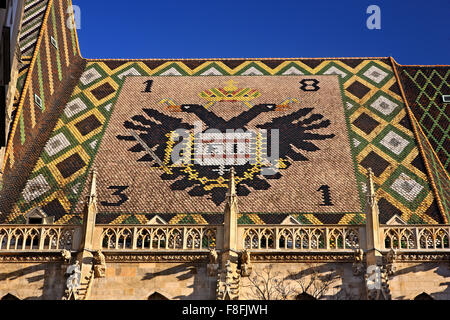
{"x": 413, "y": 32}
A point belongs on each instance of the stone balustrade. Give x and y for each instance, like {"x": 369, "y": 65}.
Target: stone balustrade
{"x": 38, "y": 237}
{"x": 159, "y": 237}
{"x": 416, "y": 237}
{"x": 302, "y": 237}
{"x": 204, "y": 237}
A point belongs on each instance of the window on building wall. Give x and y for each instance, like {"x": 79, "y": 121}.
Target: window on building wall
{"x": 38, "y": 100}
{"x": 304, "y": 296}
{"x": 9, "y": 296}
{"x": 157, "y": 296}
{"x": 53, "y": 41}
{"x": 35, "y": 220}
{"x": 38, "y": 216}
{"x": 423, "y": 296}
{"x": 10, "y": 20}
{"x": 12, "y": 11}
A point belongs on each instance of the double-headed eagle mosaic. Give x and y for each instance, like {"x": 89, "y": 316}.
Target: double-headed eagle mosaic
{"x": 208, "y": 154}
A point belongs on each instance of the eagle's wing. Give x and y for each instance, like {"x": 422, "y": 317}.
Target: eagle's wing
{"x": 294, "y": 130}
{"x": 152, "y": 129}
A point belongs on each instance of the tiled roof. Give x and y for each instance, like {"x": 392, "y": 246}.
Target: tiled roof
{"x": 33, "y": 16}
{"x": 55, "y": 67}
{"x": 424, "y": 87}
{"x": 336, "y": 118}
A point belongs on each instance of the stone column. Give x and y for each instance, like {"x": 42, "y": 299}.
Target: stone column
{"x": 376, "y": 280}
{"x": 86, "y": 255}
{"x": 230, "y": 223}
{"x": 228, "y": 277}
{"x": 373, "y": 243}
{"x": 89, "y": 215}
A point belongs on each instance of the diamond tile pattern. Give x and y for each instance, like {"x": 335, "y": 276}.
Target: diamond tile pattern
{"x": 89, "y": 76}
{"x": 74, "y": 107}
{"x": 103, "y": 91}
{"x": 88, "y": 124}
{"x": 358, "y": 89}
{"x": 366, "y": 123}
{"x": 394, "y": 142}
{"x": 375, "y": 74}
{"x": 406, "y": 187}
{"x": 70, "y": 165}
{"x": 384, "y": 105}
{"x": 424, "y": 87}
{"x": 377, "y": 163}
{"x": 56, "y": 144}
{"x": 35, "y": 187}
{"x": 440, "y": 176}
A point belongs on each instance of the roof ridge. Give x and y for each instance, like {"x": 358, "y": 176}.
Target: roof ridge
{"x": 420, "y": 65}
{"x": 215, "y": 59}
{"x": 75, "y": 30}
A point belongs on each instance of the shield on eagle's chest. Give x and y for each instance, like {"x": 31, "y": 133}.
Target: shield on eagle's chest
{"x": 224, "y": 148}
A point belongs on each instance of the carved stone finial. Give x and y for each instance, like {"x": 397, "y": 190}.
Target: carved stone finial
{"x": 372, "y": 230}
{"x": 93, "y": 192}
{"x": 89, "y": 215}
{"x": 232, "y": 184}
{"x": 371, "y": 196}
{"x": 230, "y": 221}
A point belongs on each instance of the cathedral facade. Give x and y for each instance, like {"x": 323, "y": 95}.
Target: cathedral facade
{"x": 308, "y": 178}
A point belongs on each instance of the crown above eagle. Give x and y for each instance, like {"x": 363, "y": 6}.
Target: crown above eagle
{"x": 229, "y": 93}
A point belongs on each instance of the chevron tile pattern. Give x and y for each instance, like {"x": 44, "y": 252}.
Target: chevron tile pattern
{"x": 52, "y": 56}
{"x": 33, "y": 17}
